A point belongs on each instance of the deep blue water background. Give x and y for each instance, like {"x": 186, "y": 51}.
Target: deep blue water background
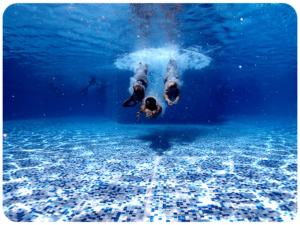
{"x": 70, "y": 42}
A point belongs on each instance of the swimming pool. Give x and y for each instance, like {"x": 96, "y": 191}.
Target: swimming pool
{"x": 72, "y": 170}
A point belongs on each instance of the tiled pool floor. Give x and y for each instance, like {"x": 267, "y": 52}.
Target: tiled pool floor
{"x": 67, "y": 170}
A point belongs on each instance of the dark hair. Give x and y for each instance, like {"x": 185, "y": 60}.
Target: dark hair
{"x": 151, "y": 100}
{"x": 152, "y": 103}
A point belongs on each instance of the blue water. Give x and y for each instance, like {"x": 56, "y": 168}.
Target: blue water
{"x": 227, "y": 151}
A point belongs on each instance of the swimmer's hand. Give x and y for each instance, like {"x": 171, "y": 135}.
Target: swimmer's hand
{"x": 170, "y": 103}
{"x": 175, "y": 102}
{"x": 149, "y": 115}
{"x": 137, "y": 116}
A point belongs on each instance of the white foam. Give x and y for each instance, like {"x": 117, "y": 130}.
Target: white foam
{"x": 157, "y": 61}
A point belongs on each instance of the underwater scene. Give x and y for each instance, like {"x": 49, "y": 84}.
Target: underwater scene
{"x": 149, "y": 113}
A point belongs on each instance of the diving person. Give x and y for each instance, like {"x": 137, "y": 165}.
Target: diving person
{"x": 101, "y": 87}
{"x": 139, "y": 87}
{"x": 150, "y": 108}
{"x": 56, "y": 90}
{"x": 222, "y": 92}
{"x": 84, "y": 91}
{"x": 171, "y": 81}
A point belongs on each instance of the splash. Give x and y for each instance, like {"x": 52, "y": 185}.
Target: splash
{"x": 157, "y": 61}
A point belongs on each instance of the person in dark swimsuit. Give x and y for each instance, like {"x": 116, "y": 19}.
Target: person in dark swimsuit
{"x": 84, "y": 91}
{"x": 171, "y": 81}
{"x": 141, "y": 84}
{"x": 150, "y": 108}
{"x": 222, "y": 92}
{"x": 56, "y": 90}
{"x": 101, "y": 87}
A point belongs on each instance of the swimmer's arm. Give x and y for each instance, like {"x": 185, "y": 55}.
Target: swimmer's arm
{"x": 166, "y": 97}
{"x": 143, "y": 109}
{"x": 157, "y": 112}
{"x": 145, "y": 69}
{"x": 178, "y": 97}
{"x": 128, "y": 101}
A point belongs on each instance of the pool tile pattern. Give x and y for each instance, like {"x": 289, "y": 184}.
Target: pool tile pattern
{"x": 100, "y": 171}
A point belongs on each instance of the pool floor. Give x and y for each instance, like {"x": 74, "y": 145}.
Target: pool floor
{"x": 93, "y": 170}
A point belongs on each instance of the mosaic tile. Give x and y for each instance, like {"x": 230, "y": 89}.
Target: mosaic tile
{"x": 85, "y": 171}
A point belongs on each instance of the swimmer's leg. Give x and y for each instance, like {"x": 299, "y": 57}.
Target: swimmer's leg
{"x": 172, "y": 61}
{"x": 172, "y": 69}
{"x": 146, "y": 69}
{"x": 139, "y": 67}
{"x": 145, "y": 79}
{"x": 83, "y": 91}
{"x": 172, "y": 65}
{"x": 170, "y": 72}
{"x": 165, "y": 79}
{"x": 141, "y": 75}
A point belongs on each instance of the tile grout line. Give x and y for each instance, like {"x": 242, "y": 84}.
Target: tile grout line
{"x": 149, "y": 191}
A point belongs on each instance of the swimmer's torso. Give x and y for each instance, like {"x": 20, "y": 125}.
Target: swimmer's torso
{"x": 172, "y": 93}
